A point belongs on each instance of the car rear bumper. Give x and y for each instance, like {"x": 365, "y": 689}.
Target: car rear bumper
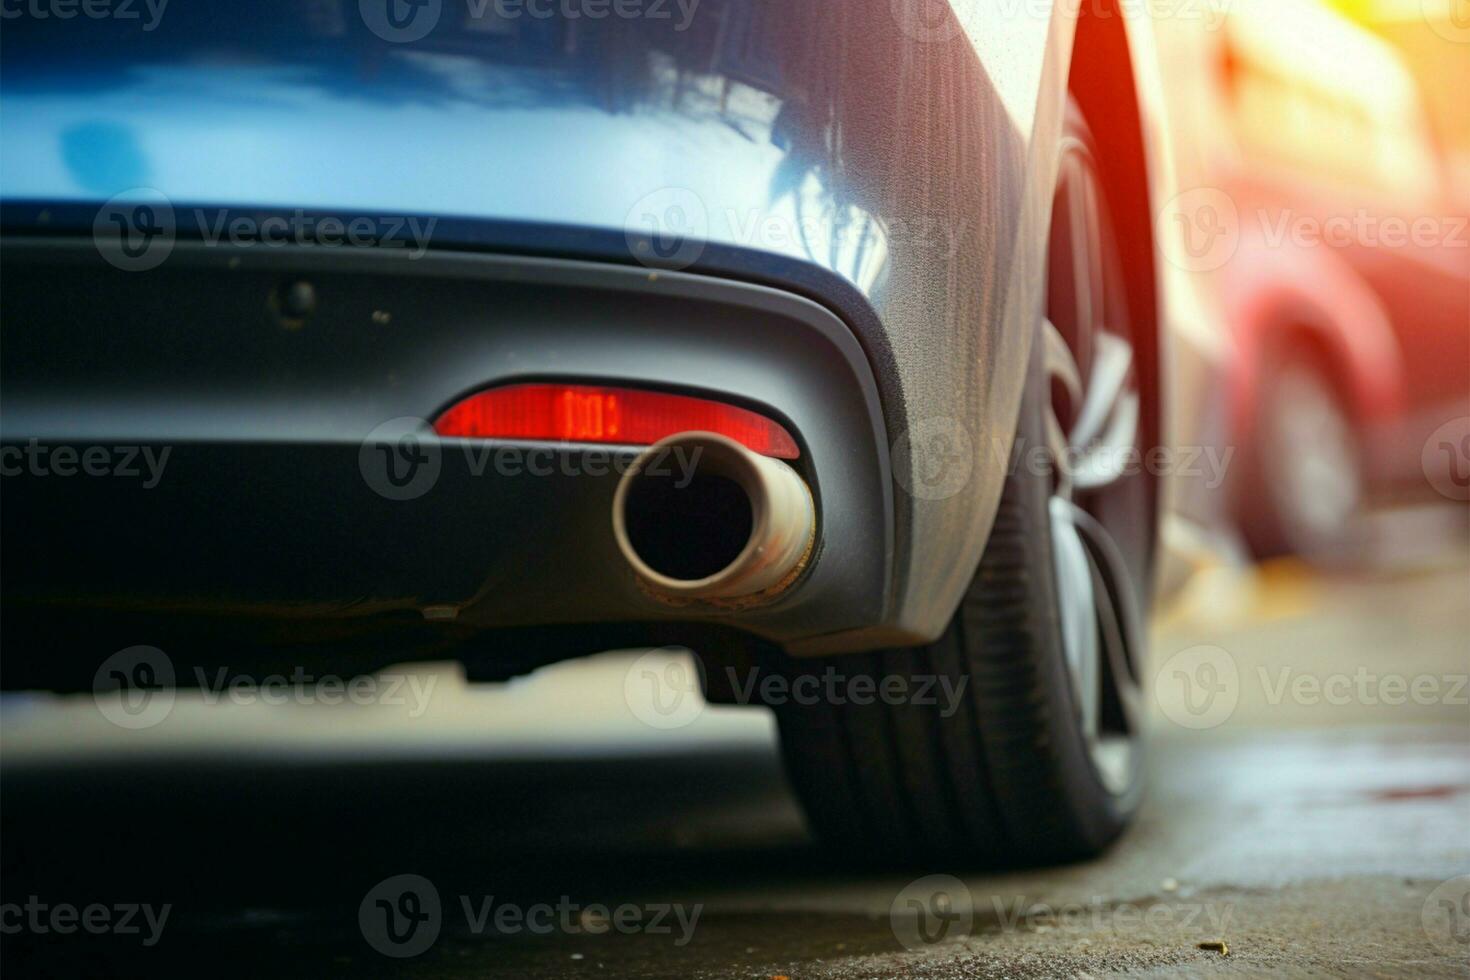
{"x": 228, "y": 463}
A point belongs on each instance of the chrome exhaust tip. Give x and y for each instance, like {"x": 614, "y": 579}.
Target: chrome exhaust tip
{"x": 699, "y": 516}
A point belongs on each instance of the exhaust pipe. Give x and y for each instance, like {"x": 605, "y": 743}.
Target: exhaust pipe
{"x": 699, "y": 516}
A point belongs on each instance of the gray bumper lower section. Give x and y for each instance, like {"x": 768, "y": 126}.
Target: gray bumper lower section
{"x": 271, "y": 480}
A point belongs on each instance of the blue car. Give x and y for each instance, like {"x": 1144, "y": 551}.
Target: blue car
{"x": 821, "y": 338}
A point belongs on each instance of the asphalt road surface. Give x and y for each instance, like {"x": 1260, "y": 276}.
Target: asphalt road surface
{"x": 1309, "y": 813}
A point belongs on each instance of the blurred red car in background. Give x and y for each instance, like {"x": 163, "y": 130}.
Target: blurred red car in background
{"x": 1330, "y": 212}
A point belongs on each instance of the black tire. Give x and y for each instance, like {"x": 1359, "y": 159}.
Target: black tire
{"x": 1007, "y": 777}
{"x": 1276, "y": 516}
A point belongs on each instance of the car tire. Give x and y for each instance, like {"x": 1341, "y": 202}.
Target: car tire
{"x": 1304, "y": 489}
{"x": 997, "y": 765}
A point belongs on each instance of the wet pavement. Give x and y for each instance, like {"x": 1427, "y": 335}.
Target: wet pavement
{"x": 1309, "y": 812}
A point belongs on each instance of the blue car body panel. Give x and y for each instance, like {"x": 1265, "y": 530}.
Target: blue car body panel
{"x": 892, "y": 167}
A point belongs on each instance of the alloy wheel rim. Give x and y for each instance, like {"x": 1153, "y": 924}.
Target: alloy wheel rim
{"x": 1094, "y": 426}
{"x": 1312, "y": 451}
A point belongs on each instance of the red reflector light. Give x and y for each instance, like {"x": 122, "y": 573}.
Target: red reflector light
{"x": 626, "y": 416}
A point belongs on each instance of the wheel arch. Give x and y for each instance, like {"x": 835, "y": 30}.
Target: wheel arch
{"x": 1110, "y": 80}
{"x": 1290, "y": 301}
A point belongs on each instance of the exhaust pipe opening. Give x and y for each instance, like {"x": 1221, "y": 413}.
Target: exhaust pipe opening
{"x": 688, "y": 532}
{"x": 699, "y": 516}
